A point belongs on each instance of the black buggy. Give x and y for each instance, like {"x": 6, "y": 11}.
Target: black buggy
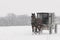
{"x": 43, "y": 21}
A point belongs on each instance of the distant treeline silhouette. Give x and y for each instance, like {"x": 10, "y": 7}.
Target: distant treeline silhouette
{"x": 19, "y": 20}
{"x": 15, "y": 20}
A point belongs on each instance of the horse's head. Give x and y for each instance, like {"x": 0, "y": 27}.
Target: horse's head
{"x": 33, "y": 16}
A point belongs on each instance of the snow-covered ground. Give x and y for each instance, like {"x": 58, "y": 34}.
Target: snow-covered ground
{"x": 25, "y": 33}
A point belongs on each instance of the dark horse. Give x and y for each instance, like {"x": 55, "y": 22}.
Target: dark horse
{"x": 36, "y": 24}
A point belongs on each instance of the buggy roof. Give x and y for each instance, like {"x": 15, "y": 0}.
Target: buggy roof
{"x": 44, "y": 12}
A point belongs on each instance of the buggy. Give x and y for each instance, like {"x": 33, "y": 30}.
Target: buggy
{"x": 43, "y": 21}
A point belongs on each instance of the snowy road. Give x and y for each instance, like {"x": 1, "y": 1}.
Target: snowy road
{"x": 24, "y": 33}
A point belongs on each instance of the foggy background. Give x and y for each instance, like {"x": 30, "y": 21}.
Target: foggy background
{"x": 19, "y": 11}
{"x": 15, "y": 20}
{"x": 20, "y": 7}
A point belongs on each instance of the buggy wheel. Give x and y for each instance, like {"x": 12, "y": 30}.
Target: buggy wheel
{"x": 50, "y": 30}
{"x": 55, "y": 28}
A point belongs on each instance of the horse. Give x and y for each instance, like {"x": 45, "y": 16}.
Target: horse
{"x": 36, "y": 24}
{"x": 33, "y": 18}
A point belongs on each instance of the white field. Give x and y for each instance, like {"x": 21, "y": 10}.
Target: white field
{"x": 25, "y": 33}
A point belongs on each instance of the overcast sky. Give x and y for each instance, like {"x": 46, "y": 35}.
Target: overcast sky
{"x": 20, "y": 7}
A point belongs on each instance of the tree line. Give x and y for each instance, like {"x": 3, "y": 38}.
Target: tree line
{"x": 15, "y": 20}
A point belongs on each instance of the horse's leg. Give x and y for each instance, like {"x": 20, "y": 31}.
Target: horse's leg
{"x": 35, "y": 30}
{"x": 39, "y": 29}
{"x": 32, "y": 28}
